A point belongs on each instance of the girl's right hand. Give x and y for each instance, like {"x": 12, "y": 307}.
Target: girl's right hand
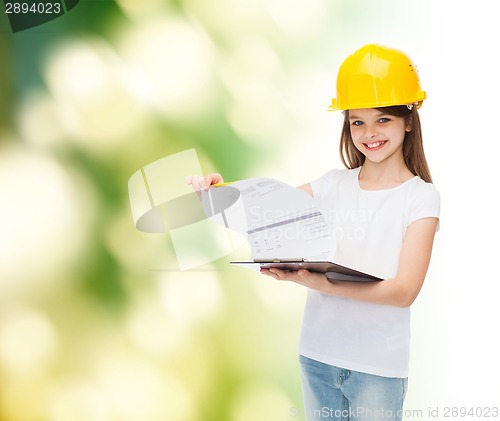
{"x": 204, "y": 182}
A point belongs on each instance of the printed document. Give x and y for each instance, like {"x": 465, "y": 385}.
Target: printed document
{"x": 278, "y": 220}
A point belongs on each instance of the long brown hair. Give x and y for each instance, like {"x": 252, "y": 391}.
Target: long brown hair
{"x": 413, "y": 148}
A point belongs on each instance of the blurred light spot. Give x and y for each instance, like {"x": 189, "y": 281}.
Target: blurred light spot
{"x": 40, "y": 120}
{"x": 137, "y": 390}
{"x": 77, "y": 401}
{"x": 79, "y": 70}
{"x": 297, "y": 17}
{"x": 257, "y": 121}
{"x": 191, "y": 296}
{"x": 263, "y": 402}
{"x": 153, "y": 332}
{"x": 251, "y": 57}
{"x": 28, "y": 341}
{"x": 250, "y": 75}
{"x": 42, "y": 221}
{"x": 86, "y": 78}
{"x": 133, "y": 249}
{"x": 159, "y": 336}
{"x": 170, "y": 63}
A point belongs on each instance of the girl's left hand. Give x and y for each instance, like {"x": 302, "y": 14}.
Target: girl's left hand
{"x": 313, "y": 280}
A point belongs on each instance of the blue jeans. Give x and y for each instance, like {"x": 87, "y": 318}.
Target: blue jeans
{"x": 333, "y": 393}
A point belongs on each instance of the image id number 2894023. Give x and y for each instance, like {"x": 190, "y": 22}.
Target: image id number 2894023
{"x": 469, "y": 413}
{"x": 38, "y": 7}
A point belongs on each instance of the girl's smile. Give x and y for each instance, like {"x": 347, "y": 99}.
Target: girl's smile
{"x": 375, "y": 146}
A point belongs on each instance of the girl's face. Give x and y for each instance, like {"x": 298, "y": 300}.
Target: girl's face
{"x": 376, "y": 135}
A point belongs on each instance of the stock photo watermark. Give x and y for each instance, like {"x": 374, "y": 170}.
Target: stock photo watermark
{"x": 431, "y": 412}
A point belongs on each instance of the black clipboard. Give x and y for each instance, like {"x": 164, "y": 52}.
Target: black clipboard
{"x": 333, "y": 271}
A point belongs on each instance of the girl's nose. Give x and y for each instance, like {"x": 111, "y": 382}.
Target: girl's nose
{"x": 370, "y": 132}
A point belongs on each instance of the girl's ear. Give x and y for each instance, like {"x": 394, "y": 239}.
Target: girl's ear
{"x": 409, "y": 124}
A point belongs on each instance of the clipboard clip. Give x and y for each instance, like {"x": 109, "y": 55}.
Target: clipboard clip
{"x": 282, "y": 260}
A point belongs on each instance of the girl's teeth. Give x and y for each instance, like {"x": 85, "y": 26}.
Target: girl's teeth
{"x": 374, "y": 145}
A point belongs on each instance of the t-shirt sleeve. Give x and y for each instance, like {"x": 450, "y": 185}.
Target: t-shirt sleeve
{"x": 426, "y": 203}
{"x": 321, "y": 185}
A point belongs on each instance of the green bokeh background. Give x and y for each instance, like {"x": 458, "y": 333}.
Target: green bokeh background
{"x": 96, "y": 322}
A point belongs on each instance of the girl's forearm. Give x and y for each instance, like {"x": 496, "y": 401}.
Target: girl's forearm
{"x": 389, "y": 292}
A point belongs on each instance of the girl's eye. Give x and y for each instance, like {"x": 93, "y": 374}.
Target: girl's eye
{"x": 384, "y": 120}
{"x": 357, "y": 123}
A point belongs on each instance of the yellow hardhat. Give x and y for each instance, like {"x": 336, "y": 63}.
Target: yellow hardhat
{"x": 377, "y": 76}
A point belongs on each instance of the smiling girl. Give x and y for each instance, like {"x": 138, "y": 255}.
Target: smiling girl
{"x": 355, "y": 340}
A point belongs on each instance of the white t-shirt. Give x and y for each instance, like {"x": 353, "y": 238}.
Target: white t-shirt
{"x": 370, "y": 226}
